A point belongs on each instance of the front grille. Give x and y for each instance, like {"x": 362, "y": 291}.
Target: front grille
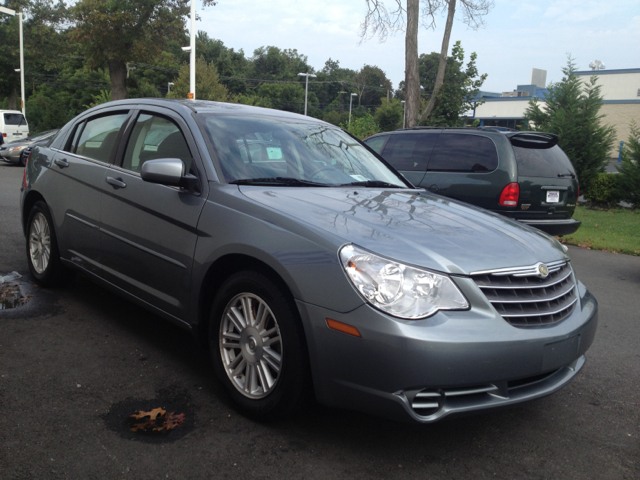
{"x": 525, "y": 298}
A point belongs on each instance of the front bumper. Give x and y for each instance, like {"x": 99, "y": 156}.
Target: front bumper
{"x": 10, "y": 156}
{"x": 460, "y": 361}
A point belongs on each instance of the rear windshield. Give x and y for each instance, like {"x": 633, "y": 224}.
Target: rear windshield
{"x": 14, "y": 119}
{"x": 542, "y": 162}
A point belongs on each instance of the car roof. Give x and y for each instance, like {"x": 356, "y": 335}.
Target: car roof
{"x": 186, "y": 106}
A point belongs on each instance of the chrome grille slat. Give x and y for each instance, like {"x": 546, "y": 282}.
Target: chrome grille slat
{"x": 525, "y": 300}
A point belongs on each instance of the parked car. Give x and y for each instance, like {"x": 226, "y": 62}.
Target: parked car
{"x": 14, "y": 152}
{"x": 524, "y": 176}
{"x": 13, "y": 125}
{"x": 304, "y": 262}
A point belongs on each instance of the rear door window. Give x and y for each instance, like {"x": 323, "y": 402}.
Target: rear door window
{"x": 542, "y": 162}
{"x": 410, "y": 152}
{"x": 464, "y": 153}
{"x": 99, "y": 137}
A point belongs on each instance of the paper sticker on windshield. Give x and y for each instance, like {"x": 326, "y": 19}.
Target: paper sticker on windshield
{"x": 274, "y": 153}
{"x": 359, "y": 178}
{"x": 553, "y": 196}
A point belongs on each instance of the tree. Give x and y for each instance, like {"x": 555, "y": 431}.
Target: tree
{"x": 208, "y": 85}
{"x": 571, "y": 110}
{"x": 114, "y": 32}
{"x": 388, "y": 116}
{"x": 381, "y": 21}
{"x": 628, "y": 182}
{"x": 371, "y": 84}
{"x": 460, "y": 87}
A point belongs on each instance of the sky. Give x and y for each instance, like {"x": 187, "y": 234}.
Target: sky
{"x": 518, "y": 35}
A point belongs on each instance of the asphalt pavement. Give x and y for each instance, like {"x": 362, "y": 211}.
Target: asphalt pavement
{"x": 75, "y": 362}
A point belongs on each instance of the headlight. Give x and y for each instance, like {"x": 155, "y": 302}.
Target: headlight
{"x": 17, "y": 148}
{"x": 398, "y": 289}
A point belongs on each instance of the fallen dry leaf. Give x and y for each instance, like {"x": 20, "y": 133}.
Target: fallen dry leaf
{"x": 159, "y": 420}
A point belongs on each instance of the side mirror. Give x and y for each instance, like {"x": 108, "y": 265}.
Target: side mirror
{"x": 169, "y": 171}
{"x": 166, "y": 171}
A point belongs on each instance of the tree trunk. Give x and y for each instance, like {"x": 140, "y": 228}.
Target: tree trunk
{"x": 13, "y": 99}
{"x": 412, "y": 73}
{"x": 118, "y": 77}
{"x": 443, "y": 62}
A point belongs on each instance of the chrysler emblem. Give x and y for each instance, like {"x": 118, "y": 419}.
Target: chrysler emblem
{"x": 544, "y": 271}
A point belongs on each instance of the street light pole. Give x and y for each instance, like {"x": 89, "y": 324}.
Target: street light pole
{"x": 192, "y": 59}
{"x": 350, "y": 102}
{"x": 306, "y": 87}
{"x": 404, "y": 108}
{"x": 8, "y": 11}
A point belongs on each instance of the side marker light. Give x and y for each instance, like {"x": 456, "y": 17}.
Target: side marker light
{"x": 343, "y": 327}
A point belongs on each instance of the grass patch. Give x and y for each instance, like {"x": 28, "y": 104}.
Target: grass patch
{"x": 614, "y": 230}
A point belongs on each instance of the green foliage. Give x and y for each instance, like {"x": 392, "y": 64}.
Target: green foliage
{"x": 362, "y": 127}
{"x": 629, "y": 177}
{"x": 103, "y": 97}
{"x": 603, "y": 190}
{"x": 388, "y": 116}
{"x": 208, "y": 86}
{"x": 336, "y": 117}
{"x": 461, "y": 86}
{"x": 285, "y": 96}
{"x": 371, "y": 84}
{"x": 571, "y": 111}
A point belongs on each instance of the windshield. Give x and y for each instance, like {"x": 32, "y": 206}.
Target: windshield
{"x": 292, "y": 152}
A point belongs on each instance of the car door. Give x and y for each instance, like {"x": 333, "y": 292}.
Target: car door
{"x": 80, "y": 162}
{"x": 148, "y": 232}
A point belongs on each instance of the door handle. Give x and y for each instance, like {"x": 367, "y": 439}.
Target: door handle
{"x": 116, "y": 182}
{"x": 61, "y": 162}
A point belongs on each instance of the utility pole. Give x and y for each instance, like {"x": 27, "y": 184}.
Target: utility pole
{"x": 306, "y": 87}
{"x": 8, "y": 11}
{"x": 350, "y": 102}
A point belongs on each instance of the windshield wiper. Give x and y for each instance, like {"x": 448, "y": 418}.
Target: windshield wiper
{"x": 371, "y": 183}
{"x": 288, "y": 181}
{"x": 567, "y": 175}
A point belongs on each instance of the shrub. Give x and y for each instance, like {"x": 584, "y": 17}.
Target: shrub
{"x": 603, "y": 189}
{"x": 628, "y": 184}
{"x": 361, "y": 127}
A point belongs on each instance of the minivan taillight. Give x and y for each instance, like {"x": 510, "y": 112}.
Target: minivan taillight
{"x": 510, "y": 194}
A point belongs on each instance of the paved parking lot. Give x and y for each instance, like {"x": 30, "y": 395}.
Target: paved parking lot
{"x": 75, "y": 362}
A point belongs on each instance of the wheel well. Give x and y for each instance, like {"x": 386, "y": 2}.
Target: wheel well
{"x": 222, "y": 269}
{"x": 32, "y": 198}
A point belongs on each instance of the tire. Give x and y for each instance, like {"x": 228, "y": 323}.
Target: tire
{"x": 263, "y": 362}
{"x": 43, "y": 255}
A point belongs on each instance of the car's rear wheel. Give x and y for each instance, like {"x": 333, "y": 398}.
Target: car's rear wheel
{"x": 257, "y": 346}
{"x": 42, "y": 248}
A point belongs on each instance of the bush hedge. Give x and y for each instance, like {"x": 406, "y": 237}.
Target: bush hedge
{"x": 603, "y": 190}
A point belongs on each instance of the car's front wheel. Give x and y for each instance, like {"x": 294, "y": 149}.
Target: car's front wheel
{"x": 257, "y": 346}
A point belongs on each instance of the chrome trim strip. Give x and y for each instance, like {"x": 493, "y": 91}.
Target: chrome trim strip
{"x": 532, "y": 301}
{"x": 88, "y": 224}
{"x": 424, "y": 405}
{"x": 520, "y": 270}
{"x": 526, "y": 287}
{"x": 540, "y": 314}
{"x": 455, "y": 393}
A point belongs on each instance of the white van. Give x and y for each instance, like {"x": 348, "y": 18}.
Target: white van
{"x": 13, "y": 125}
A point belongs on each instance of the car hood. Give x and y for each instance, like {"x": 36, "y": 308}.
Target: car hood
{"x": 414, "y": 227}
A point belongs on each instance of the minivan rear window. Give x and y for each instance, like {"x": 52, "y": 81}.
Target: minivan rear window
{"x": 542, "y": 162}
{"x": 14, "y": 119}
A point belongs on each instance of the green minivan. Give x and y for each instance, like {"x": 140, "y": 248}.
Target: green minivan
{"x": 522, "y": 175}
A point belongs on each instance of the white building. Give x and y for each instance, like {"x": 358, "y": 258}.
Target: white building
{"x": 621, "y": 102}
